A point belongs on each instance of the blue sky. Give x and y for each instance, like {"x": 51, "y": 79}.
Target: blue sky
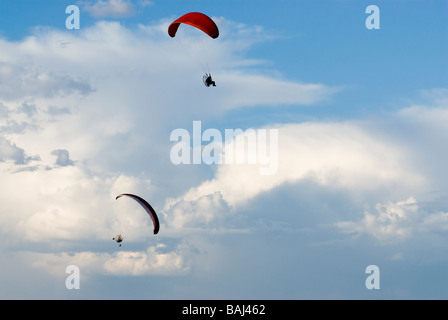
{"x": 361, "y": 177}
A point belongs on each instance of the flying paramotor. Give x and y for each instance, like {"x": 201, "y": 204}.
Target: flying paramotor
{"x": 205, "y": 24}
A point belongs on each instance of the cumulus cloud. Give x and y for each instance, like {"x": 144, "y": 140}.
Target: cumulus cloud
{"x": 200, "y": 213}
{"x": 361, "y": 156}
{"x": 396, "y": 221}
{"x": 28, "y": 81}
{"x": 10, "y": 151}
{"x": 155, "y": 260}
{"x": 147, "y": 262}
{"x": 338, "y": 154}
{"x": 68, "y": 204}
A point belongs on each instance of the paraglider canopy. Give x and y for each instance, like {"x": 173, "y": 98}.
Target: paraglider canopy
{"x": 197, "y": 20}
{"x": 151, "y": 212}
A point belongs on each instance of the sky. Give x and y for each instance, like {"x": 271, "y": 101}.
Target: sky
{"x": 349, "y": 170}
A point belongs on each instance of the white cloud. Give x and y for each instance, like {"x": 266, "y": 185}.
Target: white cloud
{"x": 199, "y": 213}
{"x": 109, "y": 8}
{"x": 67, "y": 203}
{"x": 250, "y": 90}
{"x": 147, "y": 262}
{"x": 396, "y": 157}
{"x": 155, "y": 260}
{"x": 9, "y": 151}
{"x": 145, "y": 3}
{"x": 397, "y": 256}
{"x": 390, "y": 221}
{"x": 24, "y": 80}
{"x": 341, "y": 155}
{"x": 396, "y": 221}
{"x": 435, "y": 222}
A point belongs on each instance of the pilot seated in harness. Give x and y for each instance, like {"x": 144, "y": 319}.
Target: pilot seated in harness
{"x": 208, "y": 80}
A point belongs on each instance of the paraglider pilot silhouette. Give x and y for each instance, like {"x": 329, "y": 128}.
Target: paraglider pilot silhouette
{"x": 208, "y": 80}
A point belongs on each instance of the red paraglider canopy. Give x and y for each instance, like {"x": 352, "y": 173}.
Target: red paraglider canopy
{"x": 197, "y": 20}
